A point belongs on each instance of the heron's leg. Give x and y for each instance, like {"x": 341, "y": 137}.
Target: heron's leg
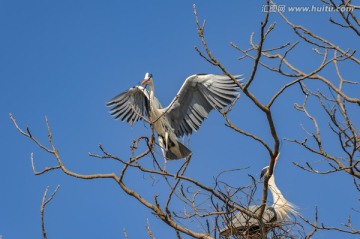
{"x": 166, "y": 147}
{"x": 152, "y": 141}
{"x": 167, "y": 140}
{"x": 161, "y": 143}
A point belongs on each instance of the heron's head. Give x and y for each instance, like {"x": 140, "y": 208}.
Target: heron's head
{"x": 147, "y": 79}
{"x": 264, "y": 172}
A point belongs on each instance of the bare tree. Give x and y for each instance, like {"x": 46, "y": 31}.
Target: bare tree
{"x": 212, "y": 206}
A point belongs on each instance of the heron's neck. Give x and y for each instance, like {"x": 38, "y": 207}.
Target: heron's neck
{"x": 277, "y": 195}
{"x": 152, "y": 91}
{"x": 153, "y": 105}
{"x": 280, "y": 204}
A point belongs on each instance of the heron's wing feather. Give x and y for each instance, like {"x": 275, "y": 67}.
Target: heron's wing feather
{"x": 131, "y": 105}
{"x": 241, "y": 219}
{"x": 197, "y": 97}
{"x": 242, "y": 222}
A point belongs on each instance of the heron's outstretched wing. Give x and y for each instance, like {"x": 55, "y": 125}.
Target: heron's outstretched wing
{"x": 197, "y": 97}
{"x": 131, "y": 105}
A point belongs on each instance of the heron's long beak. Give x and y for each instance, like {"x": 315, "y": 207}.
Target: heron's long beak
{"x": 277, "y": 157}
{"x": 145, "y": 81}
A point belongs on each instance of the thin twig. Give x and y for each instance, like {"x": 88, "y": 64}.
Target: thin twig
{"x": 44, "y": 202}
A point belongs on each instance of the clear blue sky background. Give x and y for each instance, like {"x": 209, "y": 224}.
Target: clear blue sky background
{"x": 65, "y": 59}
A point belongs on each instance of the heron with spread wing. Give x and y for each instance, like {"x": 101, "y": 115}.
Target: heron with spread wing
{"x": 198, "y": 95}
{"x": 245, "y": 226}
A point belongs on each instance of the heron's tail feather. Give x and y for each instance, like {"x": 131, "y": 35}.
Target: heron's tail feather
{"x": 177, "y": 151}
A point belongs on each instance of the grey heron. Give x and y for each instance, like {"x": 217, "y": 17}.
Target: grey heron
{"x": 198, "y": 95}
{"x": 245, "y": 226}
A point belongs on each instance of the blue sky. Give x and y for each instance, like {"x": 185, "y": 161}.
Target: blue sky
{"x": 65, "y": 59}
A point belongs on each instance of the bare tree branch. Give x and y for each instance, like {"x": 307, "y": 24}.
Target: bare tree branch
{"x": 44, "y": 203}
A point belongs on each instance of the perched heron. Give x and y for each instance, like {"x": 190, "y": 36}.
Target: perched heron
{"x": 198, "y": 95}
{"x": 244, "y": 226}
